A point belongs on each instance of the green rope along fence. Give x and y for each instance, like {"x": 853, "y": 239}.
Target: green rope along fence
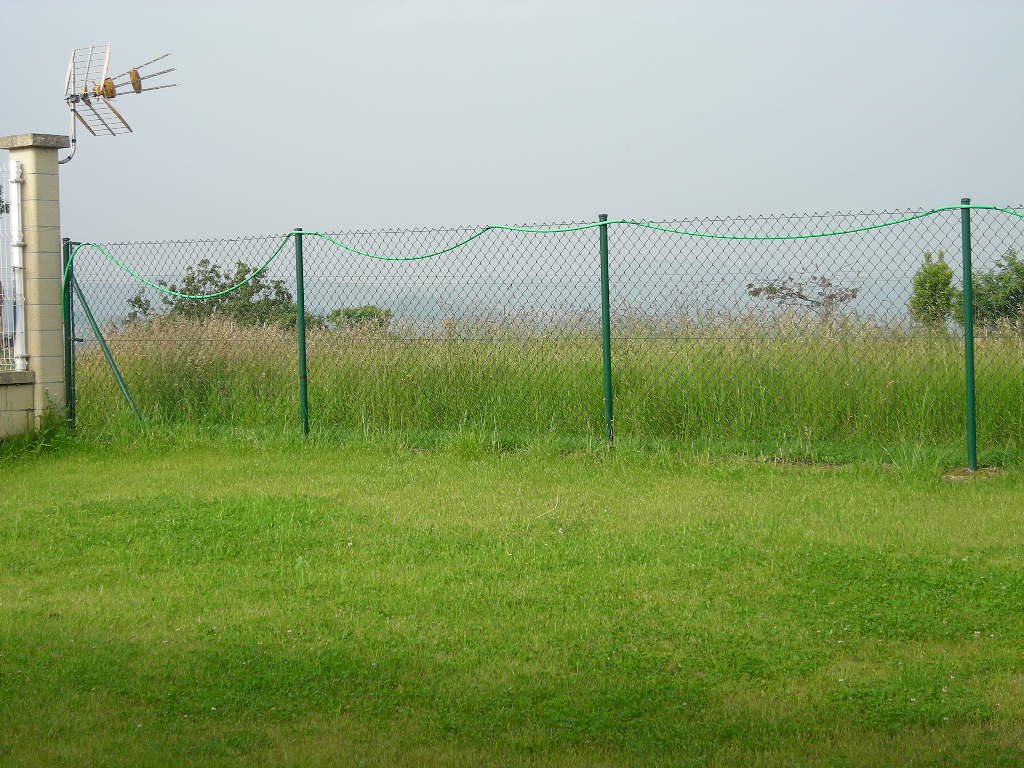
{"x": 529, "y": 230}
{"x": 510, "y": 313}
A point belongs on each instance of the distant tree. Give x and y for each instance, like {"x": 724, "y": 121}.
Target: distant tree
{"x": 998, "y": 293}
{"x": 5, "y": 207}
{"x": 931, "y": 303}
{"x": 366, "y": 316}
{"x": 141, "y": 308}
{"x": 259, "y": 301}
{"x": 815, "y": 292}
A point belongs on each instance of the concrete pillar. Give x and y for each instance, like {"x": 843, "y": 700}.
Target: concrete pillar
{"x": 40, "y": 213}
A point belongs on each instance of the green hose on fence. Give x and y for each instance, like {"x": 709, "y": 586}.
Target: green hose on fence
{"x": 510, "y": 228}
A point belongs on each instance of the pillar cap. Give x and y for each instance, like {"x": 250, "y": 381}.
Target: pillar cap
{"x": 17, "y": 377}
{"x": 43, "y": 140}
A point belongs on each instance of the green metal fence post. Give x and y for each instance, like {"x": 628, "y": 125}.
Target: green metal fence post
{"x": 67, "y": 316}
{"x": 300, "y": 310}
{"x": 606, "y": 331}
{"x": 972, "y": 427}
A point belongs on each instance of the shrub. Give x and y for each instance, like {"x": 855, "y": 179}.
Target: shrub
{"x": 999, "y": 293}
{"x": 366, "y": 316}
{"x": 931, "y": 303}
{"x": 258, "y": 302}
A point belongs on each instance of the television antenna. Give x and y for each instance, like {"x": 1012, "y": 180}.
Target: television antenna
{"x": 89, "y": 91}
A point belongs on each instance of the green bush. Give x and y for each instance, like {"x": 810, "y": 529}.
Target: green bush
{"x": 259, "y": 301}
{"x": 366, "y": 316}
{"x": 999, "y": 293}
{"x": 931, "y": 303}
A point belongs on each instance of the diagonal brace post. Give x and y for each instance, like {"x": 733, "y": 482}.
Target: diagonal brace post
{"x": 106, "y": 349}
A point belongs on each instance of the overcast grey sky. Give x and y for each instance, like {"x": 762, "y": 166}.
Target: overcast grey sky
{"x": 333, "y": 115}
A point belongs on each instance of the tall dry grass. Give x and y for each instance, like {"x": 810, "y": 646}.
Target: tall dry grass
{"x": 739, "y": 379}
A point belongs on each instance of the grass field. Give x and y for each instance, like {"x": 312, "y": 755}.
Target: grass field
{"x": 245, "y": 600}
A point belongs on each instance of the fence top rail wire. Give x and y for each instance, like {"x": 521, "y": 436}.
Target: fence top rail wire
{"x": 76, "y": 247}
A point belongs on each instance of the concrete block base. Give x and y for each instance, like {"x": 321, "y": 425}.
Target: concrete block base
{"x": 17, "y": 402}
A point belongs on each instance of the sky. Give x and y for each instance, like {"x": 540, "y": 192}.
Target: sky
{"x": 358, "y": 114}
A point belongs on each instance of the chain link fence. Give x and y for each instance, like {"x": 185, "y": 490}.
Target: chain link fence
{"x": 761, "y": 343}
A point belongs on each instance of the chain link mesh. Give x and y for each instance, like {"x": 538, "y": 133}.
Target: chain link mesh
{"x": 757, "y": 343}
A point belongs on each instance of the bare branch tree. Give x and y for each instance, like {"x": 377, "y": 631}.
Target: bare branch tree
{"x": 815, "y": 292}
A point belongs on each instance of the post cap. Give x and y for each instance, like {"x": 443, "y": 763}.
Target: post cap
{"x": 17, "y": 377}
{"x": 965, "y": 201}
{"x": 43, "y": 140}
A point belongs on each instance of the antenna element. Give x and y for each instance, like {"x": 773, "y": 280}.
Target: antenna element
{"x": 89, "y": 91}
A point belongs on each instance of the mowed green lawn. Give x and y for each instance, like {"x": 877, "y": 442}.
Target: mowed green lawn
{"x": 257, "y": 603}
